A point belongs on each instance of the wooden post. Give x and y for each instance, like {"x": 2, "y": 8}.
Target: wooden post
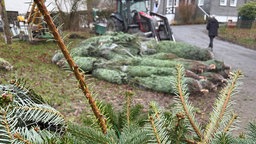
{"x": 6, "y": 26}
{"x": 79, "y": 76}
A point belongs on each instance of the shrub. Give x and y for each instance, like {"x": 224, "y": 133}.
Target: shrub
{"x": 248, "y": 11}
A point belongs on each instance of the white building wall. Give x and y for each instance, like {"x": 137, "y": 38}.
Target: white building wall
{"x": 226, "y": 18}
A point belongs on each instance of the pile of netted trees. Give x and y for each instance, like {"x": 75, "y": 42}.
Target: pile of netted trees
{"x": 128, "y": 59}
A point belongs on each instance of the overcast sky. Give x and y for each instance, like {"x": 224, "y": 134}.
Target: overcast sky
{"x": 22, "y": 6}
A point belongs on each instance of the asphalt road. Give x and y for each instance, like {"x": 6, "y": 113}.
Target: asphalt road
{"x": 238, "y": 57}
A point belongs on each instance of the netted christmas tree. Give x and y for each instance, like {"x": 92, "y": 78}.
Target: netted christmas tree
{"x": 126, "y": 59}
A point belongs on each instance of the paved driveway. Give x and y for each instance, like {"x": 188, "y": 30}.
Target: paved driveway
{"x": 233, "y": 55}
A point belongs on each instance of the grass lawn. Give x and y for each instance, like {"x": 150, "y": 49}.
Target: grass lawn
{"x": 32, "y": 62}
{"x": 59, "y": 87}
{"x": 244, "y": 37}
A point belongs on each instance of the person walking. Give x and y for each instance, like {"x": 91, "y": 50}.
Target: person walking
{"x": 212, "y": 27}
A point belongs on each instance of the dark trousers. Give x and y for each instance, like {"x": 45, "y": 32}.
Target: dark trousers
{"x": 211, "y": 41}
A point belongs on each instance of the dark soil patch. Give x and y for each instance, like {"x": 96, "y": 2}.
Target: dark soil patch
{"x": 115, "y": 95}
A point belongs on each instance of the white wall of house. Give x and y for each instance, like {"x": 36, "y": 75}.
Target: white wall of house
{"x": 226, "y": 18}
{"x": 170, "y": 10}
{"x": 170, "y": 18}
{"x": 224, "y": 10}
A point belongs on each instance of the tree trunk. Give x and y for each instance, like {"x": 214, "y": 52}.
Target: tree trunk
{"x": 79, "y": 76}
{"x": 74, "y": 16}
{"x": 89, "y": 12}
{"x": 6, "y": 28}
{"x": 62, "y": 16}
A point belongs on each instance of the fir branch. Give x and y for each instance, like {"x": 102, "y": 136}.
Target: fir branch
{"x": 73, "y": 66}
{"x": 32, "y": 135}
{"x": 183, "y": 98}
{"x": 26, "y": 119}
{"x": 114, "y": 118}
{"x": 223, "y": 138}
{"x": 128, "y": 96}
{"x": 158, "y": 126}
{"x": 40, "y": 113}
{"x": 154, "y": 129}
{"x": 20, "y": 86}
{"x": 234, "y": 117}
{"x": 14, "y": 130}
{"x": 18, "y": 137}
{"x": 133, "y": 135}
{"x": 90, "y": 135}
{"x": 5, "y": 131}
{"x": 118, "y": 119}
{"x": 221, "y": 109}
{"x": 190, "y": 141}
{"x": 252, "y": 130}
{"x": 231, "y": 89}
{"x": 179, "y": 125}
{"x": 155, "y": 109}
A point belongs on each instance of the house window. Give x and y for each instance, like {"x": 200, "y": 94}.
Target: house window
{"x": 200, "y": 2}
{"x": 223, "y": 2}
{"x": 233, "y": 3}
{"x": 187, "y": 2}
{"x": 172, "y": 3}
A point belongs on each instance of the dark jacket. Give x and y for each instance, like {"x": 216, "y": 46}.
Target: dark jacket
{"x": 212, "y": 27}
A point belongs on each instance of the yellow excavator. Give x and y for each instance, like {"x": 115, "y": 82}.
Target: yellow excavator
{"x": 32, "y": 27}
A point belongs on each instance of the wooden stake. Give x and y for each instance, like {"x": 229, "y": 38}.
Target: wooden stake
{"x": 79, "y": 76}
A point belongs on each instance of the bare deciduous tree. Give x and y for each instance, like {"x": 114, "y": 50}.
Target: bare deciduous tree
{"x": 71, "y": 10}
{"x": 89, "y": 4}
{"x": 68, "y": 10}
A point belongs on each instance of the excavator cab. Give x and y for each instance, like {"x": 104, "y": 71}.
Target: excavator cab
{"x": 132, "y": 16}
